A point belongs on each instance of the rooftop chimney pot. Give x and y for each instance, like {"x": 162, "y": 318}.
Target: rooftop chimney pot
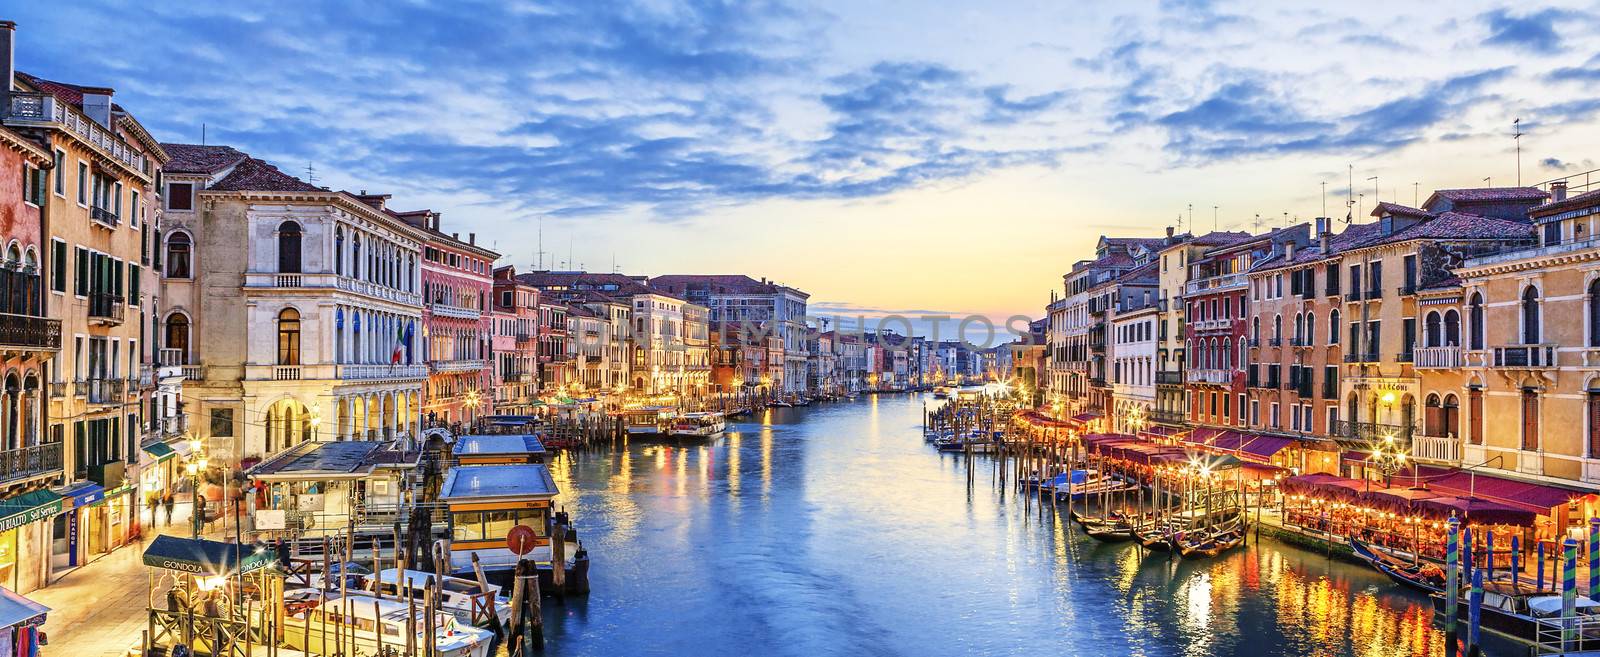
{"x": 472, "y": 238}
{"x": 1558, "y": 191}
{"x": 8, "y": 70}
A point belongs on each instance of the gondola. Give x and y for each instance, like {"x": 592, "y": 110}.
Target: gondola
{"x": 1208, "y": 544}
{"x": 1425, "y": 577}
{"x": 1153, "y": 536}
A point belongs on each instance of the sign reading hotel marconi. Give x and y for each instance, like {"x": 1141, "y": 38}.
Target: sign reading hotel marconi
{"x": 41, "y": 512}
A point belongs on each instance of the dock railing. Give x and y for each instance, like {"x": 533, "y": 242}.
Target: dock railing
{"x": 1564, "y": 635}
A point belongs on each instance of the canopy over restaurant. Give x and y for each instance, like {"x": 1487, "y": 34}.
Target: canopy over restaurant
{"x": 207, "y": 558}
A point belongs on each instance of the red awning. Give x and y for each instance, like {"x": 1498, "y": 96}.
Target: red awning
{"x": 1085, "y": 417}
{"x": 1161, "y": 431}
{"x": 1263, "y": 447}
{"x": 1479, "y": 510}
{"x": 1325, "y": 485}
{"x": 1525, "y": 495}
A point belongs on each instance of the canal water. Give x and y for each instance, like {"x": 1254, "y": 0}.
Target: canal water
{"x": 834, "y": 530}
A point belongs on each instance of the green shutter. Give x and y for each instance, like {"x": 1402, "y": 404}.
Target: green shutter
{"x": 81, "y": 285}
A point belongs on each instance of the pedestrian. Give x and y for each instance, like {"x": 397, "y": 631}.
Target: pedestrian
{"x": 199, "y": 511}
{"x": 167, "y": 502}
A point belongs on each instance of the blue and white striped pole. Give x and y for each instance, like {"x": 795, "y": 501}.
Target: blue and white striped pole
{"x": 1474, "y": 611}
{"x": 1569, "y": 592}
{"x": 1594, "y": 556}
{"x": 1466, "y": 555}
{"x": 1452, "y": 591}
{"x": 1516, "y": 560}
{"x": 1538, "y": 580}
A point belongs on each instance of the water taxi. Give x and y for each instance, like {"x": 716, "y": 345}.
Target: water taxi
{"x": 646, "y": 420}
{"x": 699, "y": 425}
{"x": 486, "y": 501}
{"x": 363, "y": 625}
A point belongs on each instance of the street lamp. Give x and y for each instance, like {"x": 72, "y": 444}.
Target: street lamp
{"x": 1388, "y": 457}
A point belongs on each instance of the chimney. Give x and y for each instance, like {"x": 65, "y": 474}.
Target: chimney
{"x": 97, "y": 105}
{"x": 1169, "y": 232}
{"x": 472, "y": 238}
{"x": 8, "y": 66}
{"x": 1288, "y": 250}
{"x": 1324, "y": 241}
{"x": 1322, "y": 226}
{"x": 1558, "y": 191}
{"x": 455, "y": 236}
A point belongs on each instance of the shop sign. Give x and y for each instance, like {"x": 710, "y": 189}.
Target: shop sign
{"x": 42, "y": 512}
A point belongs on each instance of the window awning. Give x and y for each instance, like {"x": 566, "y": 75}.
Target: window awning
{"x": 29, "y": 507}
{"x": 198, "y": 556}
{"x": 160, "y": 451}
{"x": 85, "y": 493}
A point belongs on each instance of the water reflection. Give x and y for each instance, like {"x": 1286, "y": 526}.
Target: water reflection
{"x": 860, "y": 540}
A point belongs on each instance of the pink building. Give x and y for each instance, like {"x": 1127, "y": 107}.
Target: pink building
{"x": 516, "y": 343}
{"x": 457, "y": 281}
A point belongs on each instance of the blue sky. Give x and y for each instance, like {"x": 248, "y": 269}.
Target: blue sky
{"x": 955, "y": 157}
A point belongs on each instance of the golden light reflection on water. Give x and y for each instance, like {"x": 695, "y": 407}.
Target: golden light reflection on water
{"x": 734, "y": 440}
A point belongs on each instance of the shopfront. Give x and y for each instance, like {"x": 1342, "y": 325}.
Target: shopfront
{"x": 24, "y": 538}
{"x": 157, "y": 472}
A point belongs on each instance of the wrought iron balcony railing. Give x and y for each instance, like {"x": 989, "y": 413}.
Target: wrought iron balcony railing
{"x": 29, "y": 333}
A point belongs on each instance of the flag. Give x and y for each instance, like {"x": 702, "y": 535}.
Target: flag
{"x": 402, "y": 334}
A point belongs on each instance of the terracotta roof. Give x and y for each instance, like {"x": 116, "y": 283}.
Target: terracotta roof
{"x": 1572, "y": 203}
{"x": 194, "y": 158}
{"x": 254, "y": 175}
{"x": 1385, "y": 207}
{"x": 1221, "y": 238}
{"x": 626, "y": 285}
{"x": 1146, "y": 273}
{"x": 1481, "y": 194}
{"x": 717, "y": 284}
{"x": 1462, "y": 226}
{"x": 70, "y": 94}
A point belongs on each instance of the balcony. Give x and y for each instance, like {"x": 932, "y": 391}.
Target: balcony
{"x": 1212, "y": 325}
{"x": 1525, "y": 355}
{"x": 1361, "y": 358}
{"x": 43, "y": 110}
{"x": 381, "y": 372}
{"x": 1097, "y": 382}
{"x": 1169, "y": 378}
{"x": 1216, "y": 283}
{"x": 1274, "y": 342}
{"x": 101, "y": 391}
{"x": 1436, "y": 449}
{"x": 1408, "y": 289}
{"x": 58, "y": 389}
{"x": 104, "y": 217}
{"x": 171, "y": 427}
{"x": 1405, "y": 357}
{"x": 1437, "y": 357}
{"x": 30, "y": 462}
{"x": 443, "y": 310}
{"x": 1300, "y": 342}
{"x": 458, "y": 365}
{"x": 29, "y": 333}
{"x": 270, "y": 280}
{"x": 1167, "y": 416}
{"x": 1371, "y": 431}
{"x": 1352, "y": 296}
{"x": 1215, "y": 377}
{"x": 194, "y": 372}
{"x": 106, "y": 309}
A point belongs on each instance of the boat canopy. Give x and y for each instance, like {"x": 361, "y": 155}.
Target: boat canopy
{"x": 1550, "y": 605}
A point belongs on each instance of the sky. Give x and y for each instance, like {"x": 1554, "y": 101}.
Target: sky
{"x": 886, "y": 157}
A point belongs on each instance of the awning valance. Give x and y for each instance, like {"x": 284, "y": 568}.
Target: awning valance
{"x": 198, "y": 556}
{"x": 29, "y": 507}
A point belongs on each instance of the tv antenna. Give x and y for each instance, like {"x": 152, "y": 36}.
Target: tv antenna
{"x": 1350, "y": 194}
{"x": 311, "y": 173}
{"x": 1375, "y": 198}
{"x": 1488, "y": 181}
{"x": 1213, "y": 218}
{"x": 1516, "y": 127}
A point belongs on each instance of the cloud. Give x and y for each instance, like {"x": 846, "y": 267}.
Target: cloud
{"x": 1534, "y": 32}
{"x": 1247, "y": 117}
{"x": 1588, "y": 72}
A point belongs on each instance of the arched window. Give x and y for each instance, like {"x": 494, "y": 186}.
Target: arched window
{"x": 1433, "y": 416}
{"x": 1311, "y": 328}
{"x": 177, "y": 339}
{"x": 1227, "y": 354}
{"x": 355, "y": 255}
{"x": 1452, "y": 416}
{"x": 1277, "y": 327}
{"x": 1255, "y": 329}
{"x": 1530, "y": 419}
{"x": 179, "y": 255}
{"x": 338, "y": 251}
{"x": 1299, "y": 327}
{"x": 1452, "y": 328}
{"x": 1530, "y": 315}
{"x": 1333, "y": 326}
{"x": 1475, "y": 320}
{"x": 1594, "y": 313}
{"x": 289, "y": 337}
{"x": 289, "y": 247}
{"x": 1432, "y": 331}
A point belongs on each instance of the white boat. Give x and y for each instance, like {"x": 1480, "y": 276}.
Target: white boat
{"x": 317, "y": 626}
{"x": 698, "y": 425}
{"x": 462, "y": 597}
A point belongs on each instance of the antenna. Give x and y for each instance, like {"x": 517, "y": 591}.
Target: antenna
{"x": 1374, "y": 180}
{"x": 1416, "y": 194}
{"x": 1361, "y": 200}
{"x": 1488, "y": 181}
{"x": 202, "y": 134}
{"x": 1324, "y": 198}
{"x": 1350, "y": 194}
{"x": 1191, "y": 214}
{"x": 540, "y": 252}
{"x": 1213, "y": 218}
{"x": 1255, "y": 225}
{"x": 1517, "y": 128}
{"x": 311, "y": 173}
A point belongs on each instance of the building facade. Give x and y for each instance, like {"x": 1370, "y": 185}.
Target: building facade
{"x": 457, "y": 281}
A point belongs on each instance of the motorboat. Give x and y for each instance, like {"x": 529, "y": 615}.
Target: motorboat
{"x": 1528, "y": 614}
{"x": 364, "y": 625}
{"x": 646, "y": 420}
{"x": 698, "y": 425}
{"x": 463, "y": 598}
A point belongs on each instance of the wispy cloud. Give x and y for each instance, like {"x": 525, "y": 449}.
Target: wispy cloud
{"x": 1534, "y": 31}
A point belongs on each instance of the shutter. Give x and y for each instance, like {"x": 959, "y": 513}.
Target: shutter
{"x": 1530, "y": 421}
{"x": 1594, "y": 424}
{"x": 1475, "y": 408}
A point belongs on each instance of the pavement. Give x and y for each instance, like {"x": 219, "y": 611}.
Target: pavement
{"x": 98, "y": 609}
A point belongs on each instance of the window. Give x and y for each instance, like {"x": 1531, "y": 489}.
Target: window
{"x": 179, "y": 250}
{"x": 180, "y": 196}
{"x": 59, "y": 171}
{"x": 289, "y": 337}
{"x": 1333, "y": 326}
{"x": 1594, "y": 313}
{"x": 83, "y": 183}
{"x": 289, "y": 247}
{"x": 1475, "y": 409}
{"x": 177, "y": 337}
{"x": 58, "y": 265}
{"x": 133, "y": 284}
{"x": 1552, "y": 233}
{"x": 222, "y": 422}
{"x": 1592, "y": 401}
{"x": 338, "y": 251}
{"x": 1452, "y": 328}
{"x": 1530, "y": 315}
{"x": 1475, "y": 320}
{"x": 81, "y": 285}
{"x": 134, "y": 207}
